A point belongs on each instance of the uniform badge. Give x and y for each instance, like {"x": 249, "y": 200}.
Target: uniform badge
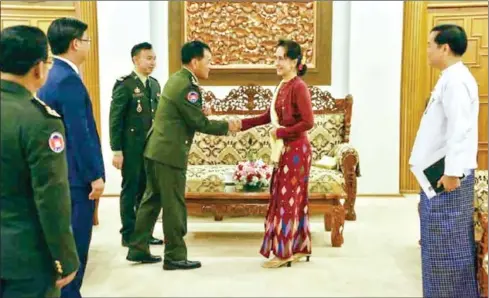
{"x": 56, "y": 142}
{"x": 58, "y": 267}
{"x": 139, "y": 109}
{"x": 137, "y": 91}
{"x": 193, "y": 96}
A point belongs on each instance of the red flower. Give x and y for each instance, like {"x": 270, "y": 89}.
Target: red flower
{"x": 258, "y": 176}
{"x": 249, "y": 178}
{"x": 240, "y": 167}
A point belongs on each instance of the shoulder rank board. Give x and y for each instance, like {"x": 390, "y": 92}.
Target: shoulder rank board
{"x": 46, "y": 107}
{"x": 194, "y": 81}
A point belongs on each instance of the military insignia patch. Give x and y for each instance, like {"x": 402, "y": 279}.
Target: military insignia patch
{"x": 193, "y": 96}
{"x": 137, "y": 91}
{"x": 56, "y": 142}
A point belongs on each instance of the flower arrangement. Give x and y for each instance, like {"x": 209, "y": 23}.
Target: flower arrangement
{"x": 252, "y": 175}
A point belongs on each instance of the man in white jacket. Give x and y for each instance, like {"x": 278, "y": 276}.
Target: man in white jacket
{"x": 449, "y": 129}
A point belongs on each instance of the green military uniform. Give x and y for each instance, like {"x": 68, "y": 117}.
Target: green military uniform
{"x": 178, "y": 117}
{"x": 37, "y": 244}
{"x": 132, "y": 110}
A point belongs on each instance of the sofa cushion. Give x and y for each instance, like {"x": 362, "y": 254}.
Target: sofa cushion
{"x": 326, "y": 134}
{"x": 204, "y": 178}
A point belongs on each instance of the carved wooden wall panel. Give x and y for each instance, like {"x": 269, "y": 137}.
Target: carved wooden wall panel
{"x": 243, "y": 36}
{"x": 246, "y": 33}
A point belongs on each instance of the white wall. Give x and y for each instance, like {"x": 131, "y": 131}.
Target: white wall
{"x": 118, "y": 32}
{"x": 366, "y": 62}
{"x": 374, "y": 80}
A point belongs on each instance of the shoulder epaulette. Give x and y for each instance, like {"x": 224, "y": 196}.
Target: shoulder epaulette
{"x": 123, "y": 78}
{"x": 194, "y": 81}
{"x": 45, "y": 107}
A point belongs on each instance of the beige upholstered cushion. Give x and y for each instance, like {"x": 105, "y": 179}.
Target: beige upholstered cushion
{"x": 327, "y": 162}
{"x": 326, "y": 134}
{"x": 204, "y": 178}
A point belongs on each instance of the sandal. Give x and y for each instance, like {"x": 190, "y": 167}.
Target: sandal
{"x": 277, "y": 262}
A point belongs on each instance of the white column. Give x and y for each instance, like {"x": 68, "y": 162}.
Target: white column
{"x": 375, "y": 81}
{"x": 159, "y": 39}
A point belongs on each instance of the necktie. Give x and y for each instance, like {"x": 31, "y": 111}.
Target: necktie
{"x": 147, "y": 90}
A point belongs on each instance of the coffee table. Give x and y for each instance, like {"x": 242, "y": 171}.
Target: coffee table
{"x": 226, "y": 201}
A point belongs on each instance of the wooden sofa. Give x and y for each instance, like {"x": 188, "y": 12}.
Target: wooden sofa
{"x": 212, "y": 156}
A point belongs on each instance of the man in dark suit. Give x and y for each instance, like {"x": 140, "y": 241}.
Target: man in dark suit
{"x": 65, "y": 92}
{"x": 134, "y": 100}
{"x": 37, "y": 248}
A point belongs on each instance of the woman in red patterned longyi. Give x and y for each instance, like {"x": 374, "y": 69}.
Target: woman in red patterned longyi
{"x": 287, "y": 232}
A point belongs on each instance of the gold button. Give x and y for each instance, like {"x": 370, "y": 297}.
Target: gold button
{"x": 186, "y": 142}
{"x": 132, "y": 129}
{"x": 152, "y": 110}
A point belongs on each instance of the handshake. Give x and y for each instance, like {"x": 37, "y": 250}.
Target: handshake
{"x": 234, "y": 125}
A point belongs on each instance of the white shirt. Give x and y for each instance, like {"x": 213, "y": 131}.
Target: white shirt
{"x": 69, "y": 63}
{"x": 195, "y": 77}
{"x": 141, "y": 77}
{"x": 450, "y": 122}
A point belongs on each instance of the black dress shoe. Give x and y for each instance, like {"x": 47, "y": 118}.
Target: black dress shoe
{"x": 155, "y": 241}
{"x": 143, "y": 258}
{"x": 181, "y": 265}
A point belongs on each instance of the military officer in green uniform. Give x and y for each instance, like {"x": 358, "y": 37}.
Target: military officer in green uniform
{"x": 134, "y": 101}
{"x": 180, "y": 114}
{"x": 38, "y": 253}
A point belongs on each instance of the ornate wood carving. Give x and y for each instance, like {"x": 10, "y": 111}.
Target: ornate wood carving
{"x": 254, "y": 99}
{"x": 334, "y": 212}
{"x": 337, "y": 225}
{"x": 481, "y": 252}
{"x": 349, "y": 163}
{"x": 235, "y": 210}
{"x": 246, "y": 33}
{"x": 243, "y": 36}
